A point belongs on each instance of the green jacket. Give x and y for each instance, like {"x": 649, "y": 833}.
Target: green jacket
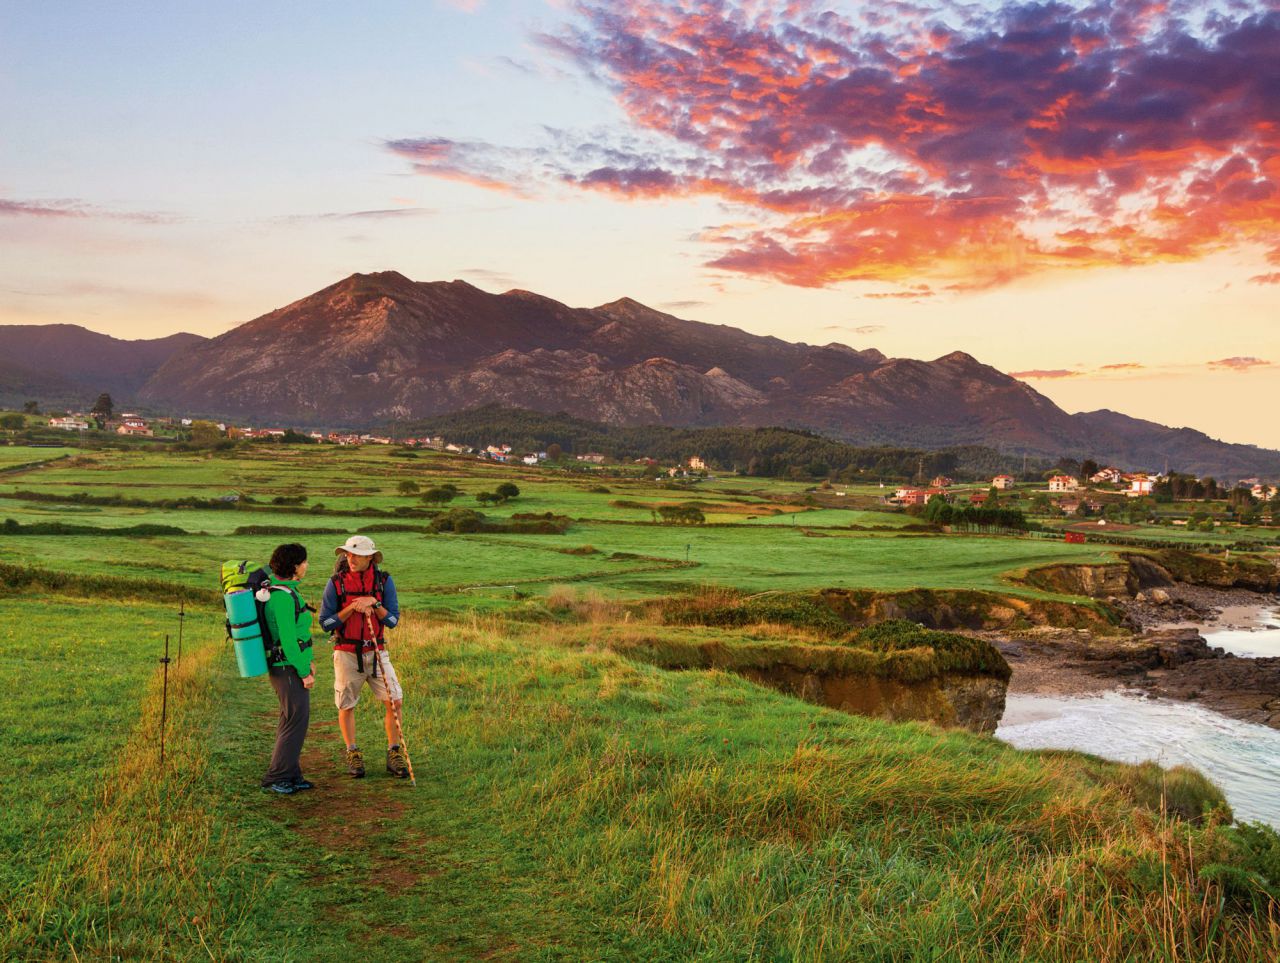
{"x": 291, "y": 628}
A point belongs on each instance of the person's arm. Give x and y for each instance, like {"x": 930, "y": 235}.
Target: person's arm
{"x": 388, "y": 612}
{"x": 330, "y": 618}
{"x": 282, "y": 613}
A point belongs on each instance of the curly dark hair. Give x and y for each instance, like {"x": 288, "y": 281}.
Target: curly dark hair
{"x": 286, "y": 559}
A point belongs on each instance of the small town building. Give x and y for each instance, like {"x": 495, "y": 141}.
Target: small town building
{"x": 1063, "y": 483}
{"x": 697, "y": 464}
{"x": 132, "y": 424}
{"x": 1107, "y": 476}
{"x": 592, "y": 457}
{"x": 1140, "y": 485}
{"x": 69, "y": 423}
{"x": 942, "y": 481}
{"x": 1002, "y": 482}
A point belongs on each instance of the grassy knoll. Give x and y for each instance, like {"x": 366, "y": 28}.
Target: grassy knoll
{"x": 574, "y": 805}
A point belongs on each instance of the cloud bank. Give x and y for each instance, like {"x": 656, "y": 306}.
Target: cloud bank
{"x": 953, "y": 143}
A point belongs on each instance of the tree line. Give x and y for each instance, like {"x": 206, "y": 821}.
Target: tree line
{"x": 765, "y": 452}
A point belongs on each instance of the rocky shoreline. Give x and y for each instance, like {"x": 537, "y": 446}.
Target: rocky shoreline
{"x": 1167, "y": 656}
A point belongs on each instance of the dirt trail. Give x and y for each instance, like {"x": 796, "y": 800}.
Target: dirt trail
{"x": 366, "y": 843}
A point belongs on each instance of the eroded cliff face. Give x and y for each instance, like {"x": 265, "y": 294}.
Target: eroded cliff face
{"x": 951, "y": 609}
{"x": 974, "y": 702}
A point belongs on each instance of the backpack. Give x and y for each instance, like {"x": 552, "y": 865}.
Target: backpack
{"x": 239, "y": 575}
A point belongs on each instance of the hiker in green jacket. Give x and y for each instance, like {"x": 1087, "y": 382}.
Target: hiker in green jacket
{"x": 288, "y": 620}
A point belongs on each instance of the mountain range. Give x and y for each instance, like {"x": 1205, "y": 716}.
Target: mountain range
{"x": 377, "y": 348}
{"x": 62, "y": 363}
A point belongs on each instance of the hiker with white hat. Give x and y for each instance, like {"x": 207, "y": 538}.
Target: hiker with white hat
{"x": 359, "y": 604}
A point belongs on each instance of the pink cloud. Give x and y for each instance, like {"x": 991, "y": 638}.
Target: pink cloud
{"x": 1239, "y": 363}
{"x": 966, "y": 145}
{"x": 1039, "y": 374}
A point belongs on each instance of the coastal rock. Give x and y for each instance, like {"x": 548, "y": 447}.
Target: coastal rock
{"x": 1247, "y": 689}
{"x": 973, "y": 702}
{"x": 1092, "y": 581}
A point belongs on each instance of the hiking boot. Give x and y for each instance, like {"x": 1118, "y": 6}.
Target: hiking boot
{"x": 355, "y": 763}
{"x": 283, "y": 788}
{"x": 397, "y": 763}
{"x": 300, "y": 784}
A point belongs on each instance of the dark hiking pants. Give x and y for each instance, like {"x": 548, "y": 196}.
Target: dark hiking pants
{"x": 295, "y": 714}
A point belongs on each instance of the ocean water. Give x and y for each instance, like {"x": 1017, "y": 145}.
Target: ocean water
{"x": 1243, "y": 758}
{"x": 1253, "y": 643}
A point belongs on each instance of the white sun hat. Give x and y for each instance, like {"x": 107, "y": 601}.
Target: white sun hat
{"x": 358, "y": 545}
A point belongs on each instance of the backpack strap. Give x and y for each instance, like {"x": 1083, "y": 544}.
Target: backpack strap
{"x": 299, "y": 607}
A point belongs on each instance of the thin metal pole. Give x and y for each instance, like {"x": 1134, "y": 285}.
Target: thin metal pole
{"x": 164, "y": 701}
{"x": 182, "y": 617}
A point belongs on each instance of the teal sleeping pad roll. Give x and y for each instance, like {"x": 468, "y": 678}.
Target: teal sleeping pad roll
{"x": 246, "y": 634}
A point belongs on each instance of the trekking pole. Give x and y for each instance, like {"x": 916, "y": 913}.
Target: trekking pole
{"x": 182, "y": 617}
{"x": 164, "y": 700}
{"x": 395, "y": 709}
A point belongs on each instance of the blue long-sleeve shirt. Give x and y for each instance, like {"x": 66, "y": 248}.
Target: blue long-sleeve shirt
{"x": 329, "y": 620}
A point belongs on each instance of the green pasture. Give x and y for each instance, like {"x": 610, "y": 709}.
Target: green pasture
{"x": 570, "y": 805}
{"x": 77, "y": 670}
{"x": 629, "y": 559}
{"x": 11, "y": 455}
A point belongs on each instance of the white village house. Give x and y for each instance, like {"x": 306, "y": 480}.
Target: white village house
{"x": 1140, "y": 485}
{"x": 1063, "y": 483}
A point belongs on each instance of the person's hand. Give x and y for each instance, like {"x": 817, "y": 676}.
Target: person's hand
{"x": 366, "y": 603}
{"x": 309, "y": 681}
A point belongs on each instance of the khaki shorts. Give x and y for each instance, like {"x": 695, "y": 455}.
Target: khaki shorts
{"x": 348, "y": 681}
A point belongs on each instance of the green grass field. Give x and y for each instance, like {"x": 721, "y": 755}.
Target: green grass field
{"x": 572, "y": 803}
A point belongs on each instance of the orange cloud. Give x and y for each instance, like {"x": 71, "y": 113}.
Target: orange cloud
{"x": 966, "y": 145}
{"x": 1239, "y": 364}
{"x": 1043, "y": 374}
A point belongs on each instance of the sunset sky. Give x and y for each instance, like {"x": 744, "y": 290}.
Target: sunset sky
{"x": 1083, "y": 194}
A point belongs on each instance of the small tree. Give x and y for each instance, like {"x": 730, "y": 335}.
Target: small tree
{"x": 484, "y": 498}
{"x": 407, "y": 487}
{"x": 31, "y": 407}
{"x": 437, "y": 496}
{"x": 938, "y": 511}
{"x": 12, "y": 422}
{"x": 102, "y": 409}
{"x": 554, "y": 452}
{"x": 205, "y": 433}
{"x": 507, "y": 490}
